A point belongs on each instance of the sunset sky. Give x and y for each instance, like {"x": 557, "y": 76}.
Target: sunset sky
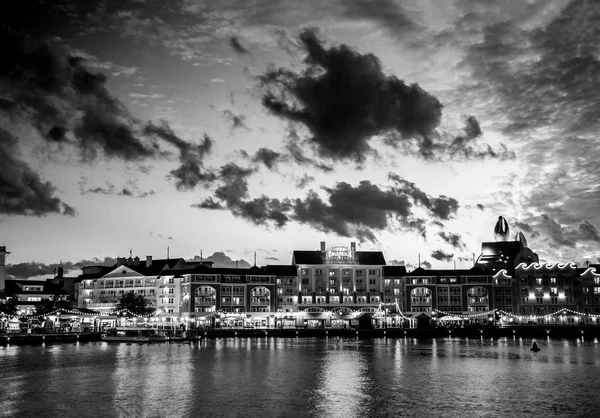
{"x": 239, "y": 126}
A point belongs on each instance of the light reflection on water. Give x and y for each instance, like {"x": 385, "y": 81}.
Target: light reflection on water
{"x": 297, "y": 377}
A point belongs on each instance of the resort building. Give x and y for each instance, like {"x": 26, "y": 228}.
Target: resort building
{"x": 32, "y": 292}
{"x": 100, "y": 287}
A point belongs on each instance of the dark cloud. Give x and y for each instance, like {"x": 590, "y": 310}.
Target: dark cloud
{"x": 525, "y": 227}
{"x": 50, "y": 87}
{"x": 442, "y": 256}
{"x": 272, "y": 258}
{"x": 589, "y": 231}
{"x": 233, "y": 193}
{"x": 268, "y": 157}
{"x": 557, "y": 234}
{"x": 297, "y": 155}
{"x": 480, "y": 206}
{"x": 34, "y": 269}
{"x": 455, "y": 240}
{"x": 132, "y": 193}
{"x": 441, "y": 207}
{"x": 344, "y": 98}
{"x": 109, "y": 189}
{"x": 237, "y": 46}
{"x": 235, "y": 121}
{"x": 208, "y": 203}
{"x": 191, "y": 172}
{"x": 359, "y": 211}
{"x": 304, "y": 181}
{"x": 22, "y": 191}
{"x": 349, "y": 211}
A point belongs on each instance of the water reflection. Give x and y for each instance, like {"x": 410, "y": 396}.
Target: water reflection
{"x": 297, "y": 377}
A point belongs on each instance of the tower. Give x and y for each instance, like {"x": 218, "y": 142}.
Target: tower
{"x": 3, "y": 254}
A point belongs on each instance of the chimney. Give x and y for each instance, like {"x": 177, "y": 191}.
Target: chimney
{"x": 60, "y": 272}
{"x": 148, "y": 260}
{"x": 120, "y": 261}
{"x": 353, "y": 247}
{"x": 322, "y": 246}
{"x": 136, "y": 261}
{"x": 129, "y": 261}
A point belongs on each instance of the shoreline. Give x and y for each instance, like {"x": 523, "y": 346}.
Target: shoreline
{"x": 588, "y": 333}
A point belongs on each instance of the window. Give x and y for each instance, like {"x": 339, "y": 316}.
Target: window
{"x": 305, "y": 281}
{"x": 171, "y": 280}
{"x": 332, "y": 272}
{"x": 552, "y": 280}
{"x": 304, "y": 271}
{"x": 372, "y": 281}
{"x": 332, "y": 282}
{"x": 538, "y": 281}
{"x": 170, "y": 300}
{"x": 171, "y": 290}
{"x": 553, "y": 291}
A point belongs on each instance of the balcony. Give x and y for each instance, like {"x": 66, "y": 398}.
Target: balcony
{"x": 205, "y": 301}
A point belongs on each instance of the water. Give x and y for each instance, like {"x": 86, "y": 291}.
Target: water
{"x": 312, "y": 378}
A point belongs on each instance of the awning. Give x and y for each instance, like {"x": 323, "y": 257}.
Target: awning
{"x": 315, "y": 315}
{"x": 452, "y": 318}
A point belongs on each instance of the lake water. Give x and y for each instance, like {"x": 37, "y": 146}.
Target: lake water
{"x": 297, "y": 377}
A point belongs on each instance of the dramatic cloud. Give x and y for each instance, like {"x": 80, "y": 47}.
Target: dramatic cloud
{"x": 191, "y": 172}
{"x": 589, "y": 232}
{"x": 235, "y": 43}
{"x": 235, "y": 121}
{"x": 344, "y": 99}
{"x": 304, "y": 181}
{"x": 442, "y": 256}
{"x": 441, "y": 207}
{"x": 22, "y": 191}
{"x": 34, "y": 269}
{"x": 268, "y": 157}
{"x": 455, "y": 240}
{"x": 349, "y": 211}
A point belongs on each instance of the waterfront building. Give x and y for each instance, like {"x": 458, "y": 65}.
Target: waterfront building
{"x": 31, "y": 293}
{"x": 236, "y": 296}
{"x": 543, "y": 289}
{"x": 454, "y": 291}
{"x": 590, "y": 292}
{"x": 128, "y": 275}
{"x": 338, "y": 279}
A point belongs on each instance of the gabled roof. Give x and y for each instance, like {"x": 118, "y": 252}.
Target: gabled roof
{"x": 16, "y": 287}
{"x": 394, "y": 271}
{"x": 257, "y": 271}
{"x": 154, "y": 269}
{"x": 369, "y": 258}
{"x": 307, "y": 257}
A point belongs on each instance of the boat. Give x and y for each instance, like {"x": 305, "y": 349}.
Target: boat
{"x": 134, "y": 335}
{"x": 534, "y": 347}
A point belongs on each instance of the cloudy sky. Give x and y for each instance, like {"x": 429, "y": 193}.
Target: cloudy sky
{"x": 240, "y": 126}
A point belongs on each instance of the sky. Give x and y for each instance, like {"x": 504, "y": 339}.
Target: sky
{"x": 241, "y": 126}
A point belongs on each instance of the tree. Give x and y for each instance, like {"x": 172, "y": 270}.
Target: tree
{"x": 8, "y": 304}
{"x": 52, "y": 304}
{"x": 134, "y": 304}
